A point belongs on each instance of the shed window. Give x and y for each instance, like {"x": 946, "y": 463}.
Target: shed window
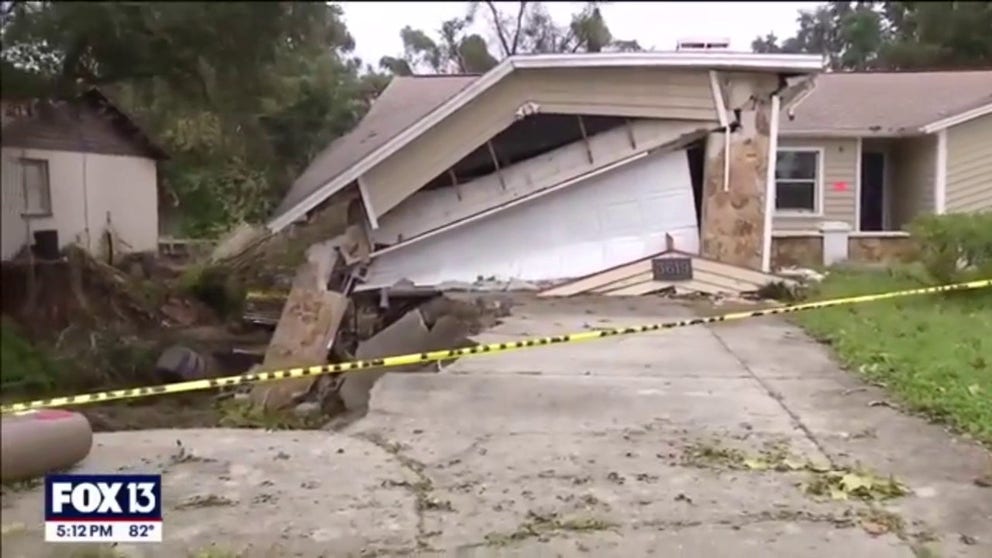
{"x": 37, "y": 193}
{"x": 797, "y": 180}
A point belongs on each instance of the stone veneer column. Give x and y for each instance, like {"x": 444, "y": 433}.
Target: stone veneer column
{"x": 733, "y": 221}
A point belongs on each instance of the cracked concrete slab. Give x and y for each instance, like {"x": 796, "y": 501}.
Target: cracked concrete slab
{"x": 569, "y": 450}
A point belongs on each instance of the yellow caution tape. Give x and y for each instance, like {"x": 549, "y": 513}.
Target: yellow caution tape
{"x": 416, "y": 358}
{"x": 266, "y": 295}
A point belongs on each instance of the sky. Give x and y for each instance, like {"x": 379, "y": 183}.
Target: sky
{"x": 655, "y": 25}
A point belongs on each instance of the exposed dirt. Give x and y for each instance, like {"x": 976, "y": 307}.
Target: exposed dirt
{"x": 183, "y": 411}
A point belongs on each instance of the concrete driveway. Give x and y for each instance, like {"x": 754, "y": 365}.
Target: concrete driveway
{"x": 633, "y": 446}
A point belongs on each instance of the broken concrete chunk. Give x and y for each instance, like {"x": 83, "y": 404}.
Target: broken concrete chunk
{"x": 307, "y": 327}
{"x": 409, "y": 334}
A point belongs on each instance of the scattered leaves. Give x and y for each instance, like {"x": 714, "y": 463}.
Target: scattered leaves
{"x": 547, "y": 524}
{"x": 877, "y": 522}
{"x": 851, "y": 484}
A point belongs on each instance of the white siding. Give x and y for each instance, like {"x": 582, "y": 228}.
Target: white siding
{"x": 607, "y": 220}
{"x": 640, "y": 93}
{"x": 123, "y": 187}
{"x": 429, "y": 209}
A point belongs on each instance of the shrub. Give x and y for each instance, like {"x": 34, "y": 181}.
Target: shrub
{"x": 955, "y": 246}
{"x": 217, "y": 287}
{"x": 23, "y": 367}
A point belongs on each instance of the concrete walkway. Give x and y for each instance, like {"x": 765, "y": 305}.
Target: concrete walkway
{"x": 621, "y": 447}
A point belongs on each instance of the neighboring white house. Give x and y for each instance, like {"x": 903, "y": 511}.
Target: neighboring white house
{"x": 80, "y": 168}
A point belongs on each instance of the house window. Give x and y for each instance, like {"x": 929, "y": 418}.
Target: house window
{"x": 797, "y": 180}
{"x": 37, "y": 194}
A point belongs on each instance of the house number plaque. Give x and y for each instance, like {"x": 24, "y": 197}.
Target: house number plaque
{"x": 672, "y": 269}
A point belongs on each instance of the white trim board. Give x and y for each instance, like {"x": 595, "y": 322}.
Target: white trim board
{"x": 366, "y": 204}
{"x": 858, "y": 155}
{"x": 703, "y": 61}
{"x": 960, "y": 118}
{"x": 940, "y": 174}
{"x": 771, "y": 190}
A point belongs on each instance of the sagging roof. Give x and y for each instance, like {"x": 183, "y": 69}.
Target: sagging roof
{"x": 886, "y": 103}
{"x": 403, "y": 102}
{"x": 410, "y": 106}
{"x": 89, "y": 123}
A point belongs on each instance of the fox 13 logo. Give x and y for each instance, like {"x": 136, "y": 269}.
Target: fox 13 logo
{"x": 103, "y": 508}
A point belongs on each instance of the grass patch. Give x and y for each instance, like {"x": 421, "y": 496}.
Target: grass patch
{"x": 23, "y": 367}
{"x": 932, "y": 352}
{"x": 243, "y": 414}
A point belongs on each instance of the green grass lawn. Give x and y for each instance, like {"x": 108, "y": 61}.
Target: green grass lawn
{"x": 932, "y": 352}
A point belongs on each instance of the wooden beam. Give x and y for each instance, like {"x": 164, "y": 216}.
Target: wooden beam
{"x": 499, "y": 171}
{"x": 454, "y": 183}
{"x": 585, "y": 138}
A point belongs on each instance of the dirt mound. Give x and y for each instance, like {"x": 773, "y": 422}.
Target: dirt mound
{"x": 46, "y": 297}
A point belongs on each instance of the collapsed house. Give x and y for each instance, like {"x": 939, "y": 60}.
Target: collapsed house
{"x": 622, "y": 174}
{"x": 552, "y": 167}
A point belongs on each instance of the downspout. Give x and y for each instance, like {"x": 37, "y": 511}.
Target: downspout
{"x": 86, "y": 190}
{"x": 766, "y": 251}
{"x": 721, "y": 110}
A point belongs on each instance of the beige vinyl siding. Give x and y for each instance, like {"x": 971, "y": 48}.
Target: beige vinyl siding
{"x": 913, "y": 169}
{"x": 840, "y": 164}
{"x": 642, "y": 93}
{"x": 969, "y": 166}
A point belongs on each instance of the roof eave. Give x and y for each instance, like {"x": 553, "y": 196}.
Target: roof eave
{"x": 784, "y": 63}
{"x": 777, "y": 63}
{"x": 956, "y": 119}
{"x": 851, "y": 133}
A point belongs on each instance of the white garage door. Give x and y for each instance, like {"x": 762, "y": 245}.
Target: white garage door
{"x": 607, "y": 220}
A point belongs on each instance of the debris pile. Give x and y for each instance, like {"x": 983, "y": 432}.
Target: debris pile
{"x": 47, "y": 296}
{"x": 324, "y": 320}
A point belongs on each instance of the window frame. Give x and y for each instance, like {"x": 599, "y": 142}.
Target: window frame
{"x": 817, "y": 182}
{"x": 24, "y": 187}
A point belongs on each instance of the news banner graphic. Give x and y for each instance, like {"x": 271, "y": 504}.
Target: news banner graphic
{"x": 103, "y": 508}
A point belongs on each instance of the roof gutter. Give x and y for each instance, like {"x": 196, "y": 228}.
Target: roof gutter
{"x": 956, "y": 119}
{"x": 848, "y": 134}
{"x": 799, "y": 64}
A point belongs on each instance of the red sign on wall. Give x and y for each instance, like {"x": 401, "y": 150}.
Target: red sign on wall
{"x": 840, "y": 186}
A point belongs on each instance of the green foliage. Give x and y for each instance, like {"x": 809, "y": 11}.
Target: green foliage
{"x": 527, "y": 30}
{"x": 244, "y": 414}
{"x": 892, "y": 35}
{"x": 955, "y": 247}
{"x": 23, "y": 367}
{"x": 930, "y": 352}
{"x": 217, "y": 287}
{"x": 241, "y": 94}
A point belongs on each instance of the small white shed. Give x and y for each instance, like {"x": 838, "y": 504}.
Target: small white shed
{"x": 78, "y": 170}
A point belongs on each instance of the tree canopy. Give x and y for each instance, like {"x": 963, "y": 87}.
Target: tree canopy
{"x": 892, "y": 35}
{"x": 529, "y": 29}
{"x": 242, "y": 94}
